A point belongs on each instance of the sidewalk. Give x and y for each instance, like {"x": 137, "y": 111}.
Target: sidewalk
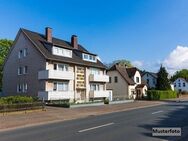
{"x": 54, "y": 114}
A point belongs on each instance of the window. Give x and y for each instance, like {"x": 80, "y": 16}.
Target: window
{"x": 154, "y": 81}
{"x": 179, "y": 84}
{"x": 25, "y": 52}
{"x": 60, "y": 86}
{"x": 61, "y": 67}
{"x": 62, "y": 52}
{"x": 174, "y": 84}
{"x": 55, "y": 86}
{"x": 137, "y": 80}
{"x": 110, "y": 80}
{"x": 24, "y": 88}
{"x": 95, "y": 71}
{"x": 148, "y": 81}
{"x": 20, "y": 71}
{"x": 25, "y": 70}
{"x": 55, "y": 66}
{"x": 88, "y": 57}
{"x": 94, "y": 87}
{"x": 19, "y": 88}
{"x": 20, "y": 54}
{"x": 183, "y": 84}
{"x": 115, "y": 79}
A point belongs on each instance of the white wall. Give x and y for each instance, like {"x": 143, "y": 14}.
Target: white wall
{"x": 151, "y": 78}
{"x": 181, "y": 87}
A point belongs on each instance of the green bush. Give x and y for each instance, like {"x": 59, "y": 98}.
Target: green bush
{"x": 160, "y": 95}
{"x": 106, "y": 101}
{"x": 16, "y": 99}
{"x": 59, "y": 103}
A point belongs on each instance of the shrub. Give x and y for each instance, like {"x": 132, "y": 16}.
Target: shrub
{"x": 160, "y": 95}
{"x": 16, "y": 99}
{"x": 106, "y": 101}
{"x": 59, "y": 103}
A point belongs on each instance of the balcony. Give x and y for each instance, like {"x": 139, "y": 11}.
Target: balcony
{"x": 55, "y": 95}
{"x": 55, "y": 74}
{"x": 99, "y": 94}
{"x": 98, "y": 78}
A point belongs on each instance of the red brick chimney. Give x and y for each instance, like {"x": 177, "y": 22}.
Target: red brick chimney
{"x": 74, "y": 41}
{"x": 49, "y": 34}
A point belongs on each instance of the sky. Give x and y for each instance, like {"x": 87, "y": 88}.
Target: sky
{"x": 146, "y": 32}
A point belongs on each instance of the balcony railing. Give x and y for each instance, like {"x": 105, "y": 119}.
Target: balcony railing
{"x": 55, "y": 95}
{"x": 55, "y": 74}
{"x": 98, "y": 78}
{"x": 99, "y": 94}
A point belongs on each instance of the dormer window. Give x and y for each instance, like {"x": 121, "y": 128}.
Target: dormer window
{"x": 62, "y": 52}
{"x": 88, "y": 57}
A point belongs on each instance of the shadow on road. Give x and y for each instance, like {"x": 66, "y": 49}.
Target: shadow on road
{"x": 175, "y": 118}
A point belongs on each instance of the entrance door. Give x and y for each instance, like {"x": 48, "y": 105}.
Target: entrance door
{"x": 81, "y": 94}
{"x": 138, "y": 94}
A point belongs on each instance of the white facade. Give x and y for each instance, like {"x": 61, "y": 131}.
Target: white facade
{"x": 121, "y": 88}
{"x": 76, "y": 83}
{"x": 150, "y": 80}
{"x": 180, "y": 85}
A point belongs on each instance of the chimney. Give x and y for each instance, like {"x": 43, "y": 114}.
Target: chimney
{"x": 49, "y": 34}
{"x": 74, "y": 41}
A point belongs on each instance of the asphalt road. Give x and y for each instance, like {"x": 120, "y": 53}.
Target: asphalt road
{"x": 131, "y": 125}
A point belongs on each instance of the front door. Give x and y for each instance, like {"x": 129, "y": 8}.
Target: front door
{"x": 81, "y": 95}
{"x": 138, "y": 94}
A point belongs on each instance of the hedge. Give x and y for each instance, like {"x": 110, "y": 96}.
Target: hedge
{"x": 160, "y": 95}
{"x": 21, "y": 106}
{"x": 16, "y": 99}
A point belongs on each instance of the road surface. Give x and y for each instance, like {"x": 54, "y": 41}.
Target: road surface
{"x": 131, "y": 125}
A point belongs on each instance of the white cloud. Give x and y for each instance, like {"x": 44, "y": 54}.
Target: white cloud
{"x": 138, "y": 64}
{"x": 177, "y": 59}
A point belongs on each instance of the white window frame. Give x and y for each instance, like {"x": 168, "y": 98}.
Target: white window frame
{"x": 95, "y": 71}
{"x": 65, "y": 86}
{"x": 64, "y": 67}
{"x": 19, "y": 88}
{"x": 24, "y": 70}
{"x": 62, "y": 52}
{"x": 89, "y": 57}
{"x": 25, "y": 52}
{"x": 20, "y": 71}
{"x": 94, "y": 87}
{"x": 20, "y": 53}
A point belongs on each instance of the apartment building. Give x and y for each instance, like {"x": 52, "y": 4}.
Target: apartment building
{"x": 53, "y": 69}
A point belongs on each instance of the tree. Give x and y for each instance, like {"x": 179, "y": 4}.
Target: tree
{"x": 4, "y": 49}
{"x": 122, "y": 62}
{"x": 163, "y": 82}
{"x": 180, "y": 74}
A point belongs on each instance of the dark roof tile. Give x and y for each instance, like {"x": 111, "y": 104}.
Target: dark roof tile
{"x": 39, "y": 42}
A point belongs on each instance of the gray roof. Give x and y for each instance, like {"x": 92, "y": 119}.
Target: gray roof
{"x": 151, "y": 73}
{"x": 39, "y": 41}
{"x": 123, "y": 72}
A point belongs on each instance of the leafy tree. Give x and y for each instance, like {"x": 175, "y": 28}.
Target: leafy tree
{"x": 4, "y": 49}
{"x": 122, "y": 62}
{"x": 182, "y": 73}
{"x": 163, "y": 82}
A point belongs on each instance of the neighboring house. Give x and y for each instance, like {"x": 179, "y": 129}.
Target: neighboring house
{"x": 53, "y": 69}
{"x": 125, "y": 82}
{"x": 150, "y": 78}
{"x": 181, "y": 84}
